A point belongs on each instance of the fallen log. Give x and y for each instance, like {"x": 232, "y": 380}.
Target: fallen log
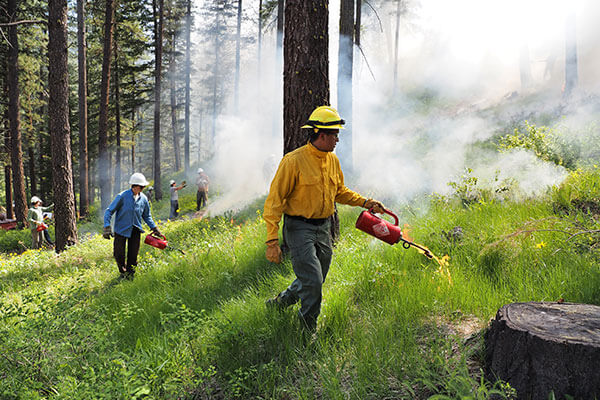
{"x": 541, "y": 348}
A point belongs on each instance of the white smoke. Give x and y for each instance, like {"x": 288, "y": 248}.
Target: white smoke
{"x": 458, "y": 62}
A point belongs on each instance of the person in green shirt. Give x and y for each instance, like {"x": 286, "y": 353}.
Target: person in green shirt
{"x": 35, "y": 218}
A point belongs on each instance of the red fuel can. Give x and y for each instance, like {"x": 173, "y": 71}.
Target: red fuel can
{"x": 380, "y": 228}
{"x": 41, "y": 227}
{"x": 159, "y": 243}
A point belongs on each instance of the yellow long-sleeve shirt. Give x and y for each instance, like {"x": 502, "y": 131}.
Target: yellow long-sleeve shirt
{"x": 307, "y": 183}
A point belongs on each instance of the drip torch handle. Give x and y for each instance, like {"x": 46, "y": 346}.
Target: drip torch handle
{"x": 387, "y": 212}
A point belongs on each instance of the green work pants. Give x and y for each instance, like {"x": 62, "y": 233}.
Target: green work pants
{"x": 310, "y": 250}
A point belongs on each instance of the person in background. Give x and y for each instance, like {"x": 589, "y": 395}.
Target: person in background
{"x": 47, "y": 220}
{"x": 306, "y": 186}
{"x": 150, "y": 195}
{"x": 202, "y": 194}
{"x": 175, "y": 198}
{"x": 130, "y": 208}
{"x": 35, "y": 218}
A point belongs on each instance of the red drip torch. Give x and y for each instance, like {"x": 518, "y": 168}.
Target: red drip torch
{"x": 383, "y": 230}
{"x": 160, "y": 242}
{"x": 41, "y": 227}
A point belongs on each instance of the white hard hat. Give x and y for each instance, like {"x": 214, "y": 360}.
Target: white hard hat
{"x": 200, "y": 170}
{"x": 171, "y": 182}
{"x": 138, "y": 179}
{"x": 35, "y": 199}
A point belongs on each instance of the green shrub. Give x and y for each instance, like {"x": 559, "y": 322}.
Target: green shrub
{"x": 580, "y": 190}
{"x": 544, "y": 142}
{"x": 15, "y": 240}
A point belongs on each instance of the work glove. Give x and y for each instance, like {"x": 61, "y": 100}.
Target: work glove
{"x": 377, "y": 206}
{"x": 273, "y": 253}
{"x": 184, "y": 183}
{"x": 156, "y": 232}
{"x": 107, "y": 232}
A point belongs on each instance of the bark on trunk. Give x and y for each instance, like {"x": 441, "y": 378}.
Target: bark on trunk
{"x": 306, "y": 67}
{"x": 358, "y": 22}
{"x": 16, "y": 154}
{"x": 7, "y": 168}
{"x": 58, "y": 109}
{"x": 84, "y": 196}
{"x": 158, "y": 35}
{"x": 32, "y": 177}
{"x": 8, "y": 192}
{"x": 103, "y": 157}
{"x": 544, "y": 347}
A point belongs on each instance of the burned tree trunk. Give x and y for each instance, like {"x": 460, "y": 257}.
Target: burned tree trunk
{"x": 543, "y": 347}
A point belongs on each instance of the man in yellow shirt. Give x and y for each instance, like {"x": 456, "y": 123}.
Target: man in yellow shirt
{"x": 306, "y": 186}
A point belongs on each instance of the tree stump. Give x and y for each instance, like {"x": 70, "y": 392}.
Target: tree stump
{"x": 544, "y": 347}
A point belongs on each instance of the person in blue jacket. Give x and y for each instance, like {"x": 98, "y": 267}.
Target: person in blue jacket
{"x": 130, "y": 208}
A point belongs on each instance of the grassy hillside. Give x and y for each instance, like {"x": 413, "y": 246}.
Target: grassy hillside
{"x": 194, "y": 326}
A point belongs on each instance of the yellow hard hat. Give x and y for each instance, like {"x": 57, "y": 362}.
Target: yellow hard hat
{"x": 325, "y": 117}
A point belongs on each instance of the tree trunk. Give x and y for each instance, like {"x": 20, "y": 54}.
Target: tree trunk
{"x": 7, "y": 170}
{"x": 358, "y": 22}
{"x": 525, "y": 67}
{"x": 259, "y": 40}
{"x": 215, "y": 76}
{"x": 397, "y": 43}
{"x": 103, "y": 157}
{"x": 173, "y": 96}
{"x": 280, "y": 27}
{"x": 32, "y": 178}
{"x": 117, "y": 122}
{"x": 16, "y": 154}
{"x": 236, "y": 83}
{"x": 84, "y": 195}
{"x": 158, "y": 37}
{"x": 58, "y": 110}
{"x": 544, "y": 347}
{"x": 571, "y": 74}
{"x": 188, "y": 68}
{"x": 8, "y": 192}
{"x": 133, "y": 143}
{"x": 306, "y": 67}
{"x": 344, "y": 87}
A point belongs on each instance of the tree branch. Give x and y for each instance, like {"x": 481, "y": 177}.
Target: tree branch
{"x": 25, "y": 21}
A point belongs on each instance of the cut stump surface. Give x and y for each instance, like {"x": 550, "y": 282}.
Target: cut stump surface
{"x": 544, "y": 347}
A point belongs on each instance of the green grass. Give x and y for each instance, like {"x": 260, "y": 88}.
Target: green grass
{"x": 194, "y": 325}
